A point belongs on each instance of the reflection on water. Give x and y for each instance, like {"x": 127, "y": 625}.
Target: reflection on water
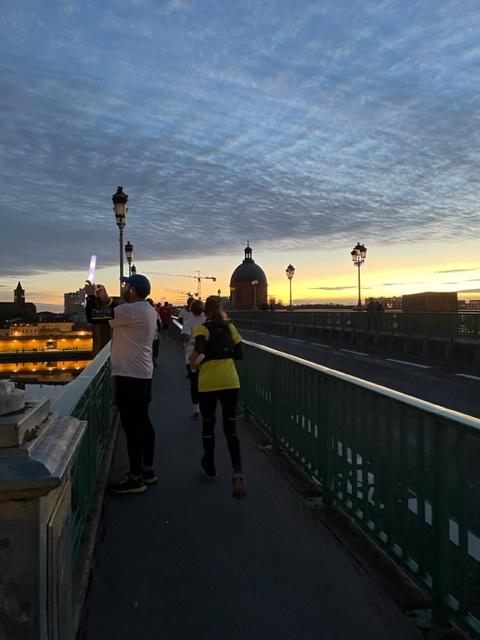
{"x": 42, "y": 379}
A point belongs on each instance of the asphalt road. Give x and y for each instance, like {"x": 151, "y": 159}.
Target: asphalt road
{"x": 446, "y": 385}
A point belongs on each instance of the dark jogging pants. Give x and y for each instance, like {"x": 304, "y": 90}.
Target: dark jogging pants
{"x": 132, "y": 397}
{"x": 208, "y": 404}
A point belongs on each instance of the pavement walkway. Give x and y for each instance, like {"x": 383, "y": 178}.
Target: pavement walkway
{"x": 186, "y": 561}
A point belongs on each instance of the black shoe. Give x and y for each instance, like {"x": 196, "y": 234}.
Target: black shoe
{"x": 149, "y": 477}
{"x": 128, "y": 485}
{"x": 239, "y": 488}
{"x": 209, "y": 469}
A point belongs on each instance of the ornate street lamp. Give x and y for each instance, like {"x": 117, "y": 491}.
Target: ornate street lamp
{"x": 290, "y": 271}
{"x": 254, "y": 285}
{"x": 129, "y": 256}
{"x": 359, "y": 253}
{"x": 120, "y": 209}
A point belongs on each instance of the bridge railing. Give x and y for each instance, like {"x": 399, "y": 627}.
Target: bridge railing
{"x": 460, "y": 327}
{"x": 404, "y": 469}
{"x": 89, "y": 397}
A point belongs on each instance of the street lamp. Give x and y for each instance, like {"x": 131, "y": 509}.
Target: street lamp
{"x": 129, "y": 255}
{"x": 120, "y": 209}
{"x": 290, "y": 271}
{"x": 254, "y": 285}
{"x": 232, "y": 296}
{"x": 359, "y": 253}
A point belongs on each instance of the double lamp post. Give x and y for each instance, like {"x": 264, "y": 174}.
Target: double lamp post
{"x": 359, "y": 253}
{"x": 120, "y": 208}
{"x": 290, "y": 271}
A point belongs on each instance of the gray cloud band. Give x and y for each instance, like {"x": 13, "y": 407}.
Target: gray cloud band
{"x": 367, "y": 145}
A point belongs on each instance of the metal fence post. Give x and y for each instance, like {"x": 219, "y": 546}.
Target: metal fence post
{"x": 440, "y": 523}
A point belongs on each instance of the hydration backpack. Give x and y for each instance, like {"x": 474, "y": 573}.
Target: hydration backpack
{"x": 219, "y": 346}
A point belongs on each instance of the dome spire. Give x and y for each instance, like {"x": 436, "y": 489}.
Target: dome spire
{"x": 248, "y": 253}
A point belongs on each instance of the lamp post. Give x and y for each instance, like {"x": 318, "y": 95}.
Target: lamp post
{"x": 120, "y": 209}
{"x": 290, "y": 271}
{"x": 129, "y": 255}
{"x": 254, "y": 285}
{"x": 359, "y": 253}
{"x": 232, "y": 296}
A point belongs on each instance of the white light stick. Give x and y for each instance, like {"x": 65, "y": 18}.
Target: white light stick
{"x": 91, "y": 270}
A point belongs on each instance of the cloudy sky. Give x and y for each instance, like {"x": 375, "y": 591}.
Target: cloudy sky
{"x": 301, "y": 125}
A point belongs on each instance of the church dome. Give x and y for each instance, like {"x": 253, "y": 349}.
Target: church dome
{"x": 248, "y": 271}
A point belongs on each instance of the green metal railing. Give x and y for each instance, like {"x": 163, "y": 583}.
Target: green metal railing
{"x": 406, "y": 470}
{"x": 459, "y": 327}
{"x": 89, "y": 397}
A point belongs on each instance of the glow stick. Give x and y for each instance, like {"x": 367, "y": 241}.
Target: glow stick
{"x": 91, "y": 270}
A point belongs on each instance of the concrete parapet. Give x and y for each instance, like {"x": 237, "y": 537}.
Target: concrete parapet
{"x": 37, "y": 449}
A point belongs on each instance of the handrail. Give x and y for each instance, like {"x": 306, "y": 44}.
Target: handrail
{"x": 71, "y": 395}
{"x": 416, "y": 403}
{"x": 406, "y": 470}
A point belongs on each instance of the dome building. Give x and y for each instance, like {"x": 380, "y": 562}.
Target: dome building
{"x": 248, "y": 285}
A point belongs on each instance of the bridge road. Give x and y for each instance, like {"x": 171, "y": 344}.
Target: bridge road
{"x": 185, "y": 561}
{"x": 447, "y": 385}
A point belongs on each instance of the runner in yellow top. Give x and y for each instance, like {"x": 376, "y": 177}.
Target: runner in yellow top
{"x": 217, "y": 345}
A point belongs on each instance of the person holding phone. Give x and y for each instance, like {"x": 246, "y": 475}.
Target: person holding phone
{"x": 133, "y": 324}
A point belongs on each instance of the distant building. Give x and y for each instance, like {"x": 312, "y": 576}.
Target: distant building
{"x": 430, "y": 301}
{"x": 19, "y": 294}
{"x": 393, "y": 302}
{"x": 74, "y": 305}
{"x": 248, "y": 285}
{"x": 18, "y": 309}
{"x": 39, "y": 328}
{"x": 472, "y": 305}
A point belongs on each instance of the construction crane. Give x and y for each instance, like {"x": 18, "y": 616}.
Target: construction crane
{"x": 198, "y": 277}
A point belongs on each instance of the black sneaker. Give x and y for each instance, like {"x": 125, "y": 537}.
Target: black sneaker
{"x": 209, "y": 469}
{"x": 149, "y": 477}
{"x": 128, "y": 485}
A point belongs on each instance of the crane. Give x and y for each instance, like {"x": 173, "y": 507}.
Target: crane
{"x": 198, "y": 277}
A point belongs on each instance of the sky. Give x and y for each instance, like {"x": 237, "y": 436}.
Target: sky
{"x": 301, "y": 126}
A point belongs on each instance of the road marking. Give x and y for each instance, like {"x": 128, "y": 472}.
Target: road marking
{"x": 411, "y": 364}
{"x": 357, "y": 353}
{"x": 294, "y": 340}
{"x": 466, "y": 375}
{"x": 316, "y": 345}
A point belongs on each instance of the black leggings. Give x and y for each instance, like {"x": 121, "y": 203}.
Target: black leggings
{"x": 193, "y": 376}
{"x": 208, "y": 404}
{"x": 132, "y": 397}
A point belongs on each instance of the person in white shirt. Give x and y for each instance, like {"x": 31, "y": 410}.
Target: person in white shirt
{"x": 194, "y": 319}
{"x": 133, "y": 323}
{"x": 184, "y": 317}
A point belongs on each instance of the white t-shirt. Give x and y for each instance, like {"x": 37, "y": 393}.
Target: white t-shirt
{"x": 183, "y": 316}
{"x": 133, "y": 327}
{"x": 188, "y": 325}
